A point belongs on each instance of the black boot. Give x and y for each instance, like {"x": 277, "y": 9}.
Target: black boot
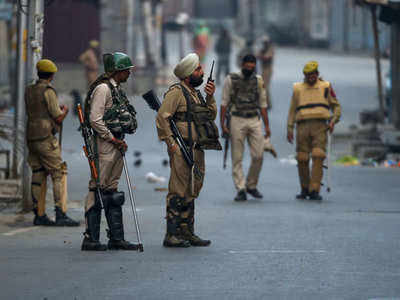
{"x": 173, "y": 238}
{"x": 254, "y": 192}
{"x": 303, "y": 194}
{"x": 63, "y": 220}
{"x": 187, "y": 229}
{"x": 43, "y": 221}
{"x": 241, "y": 196}
{"x": 92, "y": 235}
{"x": 113, "y": 203}
{"x": 314, "y": 195}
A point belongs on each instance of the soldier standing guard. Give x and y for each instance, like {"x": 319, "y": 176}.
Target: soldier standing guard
{"x": 245, "y": 95}
{"x": 310, "y": 108}
{"x": 193, "y": 115}
{"x": 110, "y": 116}
{"x": 44, "y": 119}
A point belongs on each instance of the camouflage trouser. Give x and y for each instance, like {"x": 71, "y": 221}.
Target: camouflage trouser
{"x": 250, "y": 129}
{"x": 182, "y": 190}
{"x": 311, "y": 137}
{"x": 45, "y": 158}
{"x": 110, "y": 170}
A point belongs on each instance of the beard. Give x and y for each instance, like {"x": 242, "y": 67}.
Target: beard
{"x": 195, "y": 81}
{"x": 247, "y": 73}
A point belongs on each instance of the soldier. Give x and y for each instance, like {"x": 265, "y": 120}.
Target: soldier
{"x": 45, "y": 117}
{"x": 310, "y": 108}
{"x": 192, "y": 114}
{"x": 223, "y": 49}
{"x": 245, "y": 95}
{"x": 90, "y": 59}
{"x": 110, "y": 116}
{"x": 266, "y": 55}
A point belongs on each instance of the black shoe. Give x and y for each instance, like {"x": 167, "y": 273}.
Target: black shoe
{"x": 315, "y": 196}
{"x": 90, "y": 245}
{"x": 241, "y": 196}
{"x": 63, "y": 220}
{"x": 122, "y": 245}
{"x": 43, "y": 221}
{"x": 303, "y": 194}
{"x": 254, "y": 192}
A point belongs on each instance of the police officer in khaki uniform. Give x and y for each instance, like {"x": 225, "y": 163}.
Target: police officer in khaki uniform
{"x": 244, "y": 94}
{"x": 90, "y": 60}
{"x": 110, "y": 116}
{"x": 266, "y": 55}
{"x": 44, "y": 119}
{"x": 310, "y": 111}
{"x": 191, "y": 112}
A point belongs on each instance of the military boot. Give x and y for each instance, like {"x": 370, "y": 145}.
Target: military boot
{"x": 314, "y": 195}
{"x": 254, "y": 192}
{"x": 173, "y": 237}
{"x": 63, "y": 220}
{"x": 92, "y": 235}
{"x": 192, "y": 238}
{"x": 43, "y": 221}
{"x": 303, "y": 194}
{"x": 241, "y": 196}
{"x": 113, "y": 208}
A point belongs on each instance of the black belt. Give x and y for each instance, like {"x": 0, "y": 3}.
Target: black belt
{"x": 246, "y": 115}
{"x": 312, "y": 105}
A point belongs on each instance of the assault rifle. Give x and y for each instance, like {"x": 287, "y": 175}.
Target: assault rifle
{"x": 87, "y": 135}
{"x": 226, "y": 137}
{"x": 155, "y": 104}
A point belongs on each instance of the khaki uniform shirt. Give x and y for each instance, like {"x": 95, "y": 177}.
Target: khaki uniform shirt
{"x": 52, "y": 103}
{"x": 174, "y": 101}
{"x": 101, "y": 101}
{"x": 331, "y": 98}
{"x": 89, "y": 60}
{"x": 227, "y": 92}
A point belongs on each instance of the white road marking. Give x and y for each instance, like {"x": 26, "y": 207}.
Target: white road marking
{"x": 275, "y": 251}
{"x": 21, "y": 230}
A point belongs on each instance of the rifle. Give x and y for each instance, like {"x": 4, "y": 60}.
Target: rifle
{"x": 87, "y": 135}
{"x": 226, "y": 137}
{"x": 155, "y": 104}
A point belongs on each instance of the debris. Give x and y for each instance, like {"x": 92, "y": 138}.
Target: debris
{"x": 137, "y": 153}
{"x": 137, "y": 162}
{"x": 290, "y": 160}
{"x": 165, "y": 162}
{"x": 161, "y": 189}
{"x": 153, "y": 178}
{"x": 348, "y": 160}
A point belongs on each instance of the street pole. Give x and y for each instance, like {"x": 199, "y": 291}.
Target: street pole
{"x": 129, "y": 27}
{"x": 34, "y": 54}
{"x": 395, "y": 70}
{"x": 147, "y": 32}
{"x": 19, "y": 86}
{"x": 377, "y": 60}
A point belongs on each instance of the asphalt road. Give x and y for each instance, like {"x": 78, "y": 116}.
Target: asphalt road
{"x": 346, "y": 247}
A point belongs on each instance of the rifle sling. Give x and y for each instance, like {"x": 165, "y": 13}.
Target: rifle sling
{"x": 188, "y": 118}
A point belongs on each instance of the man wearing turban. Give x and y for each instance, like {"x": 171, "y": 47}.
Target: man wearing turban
{"x": 314, "y": 110}
{"x": 180, "y": 104}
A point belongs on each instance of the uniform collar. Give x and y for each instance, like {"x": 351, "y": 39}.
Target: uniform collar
{"x": 113, "y": 82}
{"x": 190, "y": 89}
{"x": 43, "y": 81}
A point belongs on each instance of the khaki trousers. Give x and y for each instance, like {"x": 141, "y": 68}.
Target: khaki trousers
{"x": 110, "y": 170}
{"x": 266, "y": 75}
{"x": 180, "y": 180}
{"x": 45, "y": 158}
{"x": 250, "y": 129}
{"x": 311, "y": 137}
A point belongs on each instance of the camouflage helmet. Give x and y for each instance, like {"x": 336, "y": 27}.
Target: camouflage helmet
{"x": 116, "y": 61}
